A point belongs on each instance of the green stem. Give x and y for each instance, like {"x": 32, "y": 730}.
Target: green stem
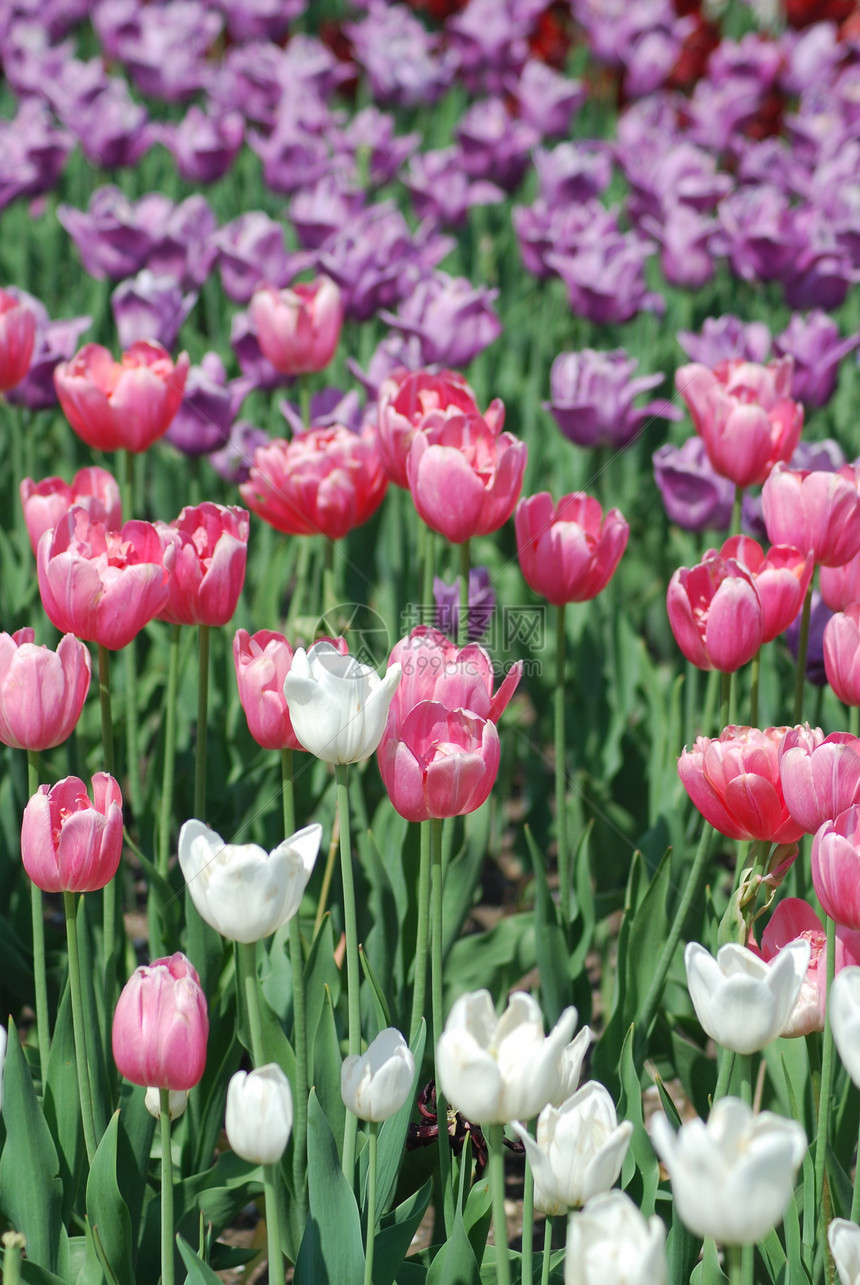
{"x": 300, "y": 1041}
{"x": 40, "y": 971}
{"x": 352, "y": 973}
{"x": 737, "y": 505}
{"x": 465, "y": 567}
{"x": 528, "y": 1222}
{"x": 724, "y": 1077}
{"x": 438, "y": 1020}
{"x": 547, "y": 1252}
{"x": 298, "y": 596}
{"x": 371, "y": 1203}
{"x": 691, "y": 891}
{"x": 106, "y": 713}
{"x": 743, "y": 1061}
{"x": 13, "y": 1243}
{"x": 125, "y": 461}
{"x": 735, "y": 1263}
{"x": 560, "y": 776}
{"x": 170, "y": 707}
{"x": 79, "y": 1027}
{"x": 328, "y": 874}
{"x": 754, "y": 677}
{"x": 133, "y": 757}
{"x": 822, "y": 1136}
{"x": 329, "y": 595}
{"x": 802, "y": 648}
{"x": 305, "y": 399}
{"x": 166, "y": 1191}
{"x": 110, "y": 893}
{"x": 725, "y": 700}
{"x": 202, "y": 722}
{"x": 497, "y": 1187}
{"x": 427, "y": 598}
{"x": 247, "y": 952}
{"x": 273, "y": 1224}
{"x": 422, "y": 938}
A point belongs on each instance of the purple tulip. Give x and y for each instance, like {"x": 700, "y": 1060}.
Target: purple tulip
{"x": 150, "y": 307}
{"x": 318, "y": 211}
{"x": 204, "y": 146}
{"x": 547, "y": 100}
{"x": 490, "y": 41}
{"x": 112, "y": 129}
{"x": 250, "y": 81}
{"x": 30, "y": 59}
{"x": 115, "y": 21}
{"x": 694, "y": 496}
{"x": 295, "y": 152}
{"x": 493, "y": 145}
{"x": 453, "y": 319}
{"x": 573, "y": 172}
{"x": 686, "y": 239}
{"x": 760, "y": 231}
{"x": 661, "y": 177}
{"x": 544, "y": 230}
{"x": 403, "y": 61}
{"x": 441, "y": 190}
{"x": 205, "y": 417}
{"x": 182, "y": 240}
{"x": 592, "y": 395}
{"x": 821, "y": 271}
{"x": 33, "y": 152}
{"x": 606, "y": 280}
{"x": 55, "y": 341}
{"x": 328, "y": 407}
{"x": 166, "y": 55}
{"x": 375, "y": 152}
{"x": 250, "y": 252}
{"x": 482, "y": 604}
{"x": 233, "y": 461}
{"x": 727, "y": 339}
{"x": 814, "y": 343}
{"x": 394, "y": 352}
{"x": 76, "y": 86}
{"x": 812, "y": 57}
{"x": 260, "y": 19}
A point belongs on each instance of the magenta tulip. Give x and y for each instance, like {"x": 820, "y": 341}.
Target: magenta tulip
{"x": 205, "y": 553}
{"x": 42, "y": 692}
{"x": 262, "y": 662}
{"x": 161, "y": 1025}
{"x": 818, "y": 511}
{"x": 101, "y": 585}
{"x": 842, "y": 654}
{"x": 68, "y": 843}
{"x": 734, "y": 782}
{"x": 442, "y": 762}
{"x": 836, "y": 867}
{"x": 781, "y": 578}
{"x": 568, "y": 553}
{"x": 45, "y": 502}
{"x": 298, "y": 329}
{"x": 820, "y": 774}
{"x": 716, "y": 614}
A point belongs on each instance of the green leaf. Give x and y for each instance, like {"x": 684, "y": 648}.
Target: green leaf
{"x": 380, "y": 1003}
{"x": 33, "y": 1274}
{"x": 62, "y": 1105}
{"x": 31, "y": 1193}
{"x": 134, "y": 1144}
{"x": 199, "y": 1273}
{"x": 640, "y": 1154}
{"x": 478, "y": 1213}
{"x": 708, "y": 1270}
{"x": 331, "y": 1252}
{"x": 107, "y": 1212}
{"x": 395, "y": 1235}
{"x": 553, "y": 956}
{"x": 327, "y": 1062}
{"x": 321, "y": 974}
{"x": 455, "y": 1264}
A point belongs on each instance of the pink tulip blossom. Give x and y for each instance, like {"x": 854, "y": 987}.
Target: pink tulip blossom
{"x": 836, "y": 867}
{"x": 262, "y": 662}
{"x": 161, "y": 1024}
{"x": 781, "y": 577}
{"x": 816, "y": 511}
{"x": 298, "y": 329}
{"x": 568, "y": 553}
{"x": 840, "y": 586}
{"x": 205, "y": 552}
{"x": 441, "y": 763}
{"x": 734, "y": 782}
{"x": 842, "y": 654}
{"x": 45, "y": 502}
{"x": 68, "y": 843}
{"x": 793, "y": 919}
{"x": 42, "y": 692}
{"x": 17, "y": 339}
{"x": 820, "y": 774}
{"x": 716, "y": 613}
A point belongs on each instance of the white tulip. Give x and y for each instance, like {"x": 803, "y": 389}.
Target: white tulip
{"x": 732, "y": 1178}
{"x": 845, "y": 1018}
{"x": 844, "y": 1240}
{"x": 338, "y": 706}
{"x": 609, "y": 1242}
{"x": 579, "y": 1151}
{"x": 376, "y": 1085}
{"x": 570, "y": 1066}
{"x": 242, "y": 891}
{"x": 741, "y": 1001}
{"x": 497, "y": 1069}
{"x": 178, "y": 1101}
{"x": 259, "y": 1117}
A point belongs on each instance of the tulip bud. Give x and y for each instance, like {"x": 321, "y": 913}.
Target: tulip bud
{"x": 160, "y": 1025}
{"x": 742, "y": 1002}
{"x": 42, "y": 692}
{"x": 69, "y": 844}
{"x": 376, "y": 1085}
{"x": 259, "y": 1117}
{"x": 610, "y": 1243}
{"x": 298, "y": 329}
{"x": 177, "y": 1102}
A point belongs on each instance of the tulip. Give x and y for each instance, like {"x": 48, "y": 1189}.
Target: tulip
{"x": 694, "y": 496}
{"x": 609, "y": 1242}
{"x": 482, "y": 602}
{"x": 298, "y": 329}
{"x": 325, "y": 481}
{"x": 45, "y": 502}
{"x": 42, "y": 692}
{"x": 568, "y": 553}
{"x": 262, "y": 662}
{"x": 840, "y": 586}
{"x": 440, "y": 763}
{"x": 843, "y": 1238}
{"x": 434, "y": 669}
{"x": 121, "y": 405}
{"x": 842, "y": 654}
{"x": 715, "y": 613}
{"x": 259, "y": 1117}
{"x": 494, "y": 1070}
{"x": 376, "y": 1085}
{"x": 734, "y": 781}
{"x": 160, "y": 1025}
{"x": 741, "y": 1001}
{"x": 413, "y": 402}
{"x": 781, "y": 578}
{"x": 465, "y": 478}
{"x": 570, "y": 1067}
{"x": 745, "y": 416}
{"x": 177, "y": 1102}
{"x": 242, "y": 891}
{"x": 820, "y": 774}
{"x": 579, "y": 1151}
{"x": 845, "y": 1019}
{"x": 101, "y": 585}
{"x": 836, "y": 867}
{"x": 17, "y": 339}
{"x": 338, "y": 706}
{"x": 818, "y": 511}
{"x": 68, "y": 843}
{"x": 793, "y": 919}
{"x": 733, "y": 1177}
{"x": 205, "y": 552}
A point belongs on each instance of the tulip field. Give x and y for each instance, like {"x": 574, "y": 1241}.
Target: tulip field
{"x": 429, "y": 642}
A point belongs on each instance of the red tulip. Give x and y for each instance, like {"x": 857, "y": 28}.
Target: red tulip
{"x": 161, "y": 1025}
{"x": 734, "y": 782}
{"x": 42, "y": 692}
{"x": 69, "y": 844}
{"x": 205, "y": 552}
{"x": 568, "y": 553}
{"x": 45, "y": 502}
{"x": 794, "y": 918}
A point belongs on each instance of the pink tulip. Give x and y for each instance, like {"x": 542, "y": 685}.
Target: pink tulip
{"x": 781, "y": 578}
{"x": 836, "y": 867}
{"x": 45, "y": 502}
{"x": 69, "y": 844}
{"x": 434, "y": 669}
{"x": 323, "y": 482}
{"x": 744, "y": 415}
{"x": 101, "y": 585}
{"x": 17, "y": 337}
{"x": 442, "y": 762}
{"x": 735, "y": 784}
{"x": 42, "y": 692}
{"x": 205, "y": 552}
{"x": 818, "y": 511}
{"x": 262, "y": 662}
{"x": 820, "y": 774}
{"x": 464, "y": 478}
{"x": 842, "y": 654}
{"x": 161, "y": 1025}
{"x": 792, "y": 919}
{"x": 413, "y": 402}
{"x": 716, "y": 614}
{"x": 298, "y": 329}
{"x": 568, "y": 553}
{"x": 121, "y": 405}
{"x": 840, "y": 586}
